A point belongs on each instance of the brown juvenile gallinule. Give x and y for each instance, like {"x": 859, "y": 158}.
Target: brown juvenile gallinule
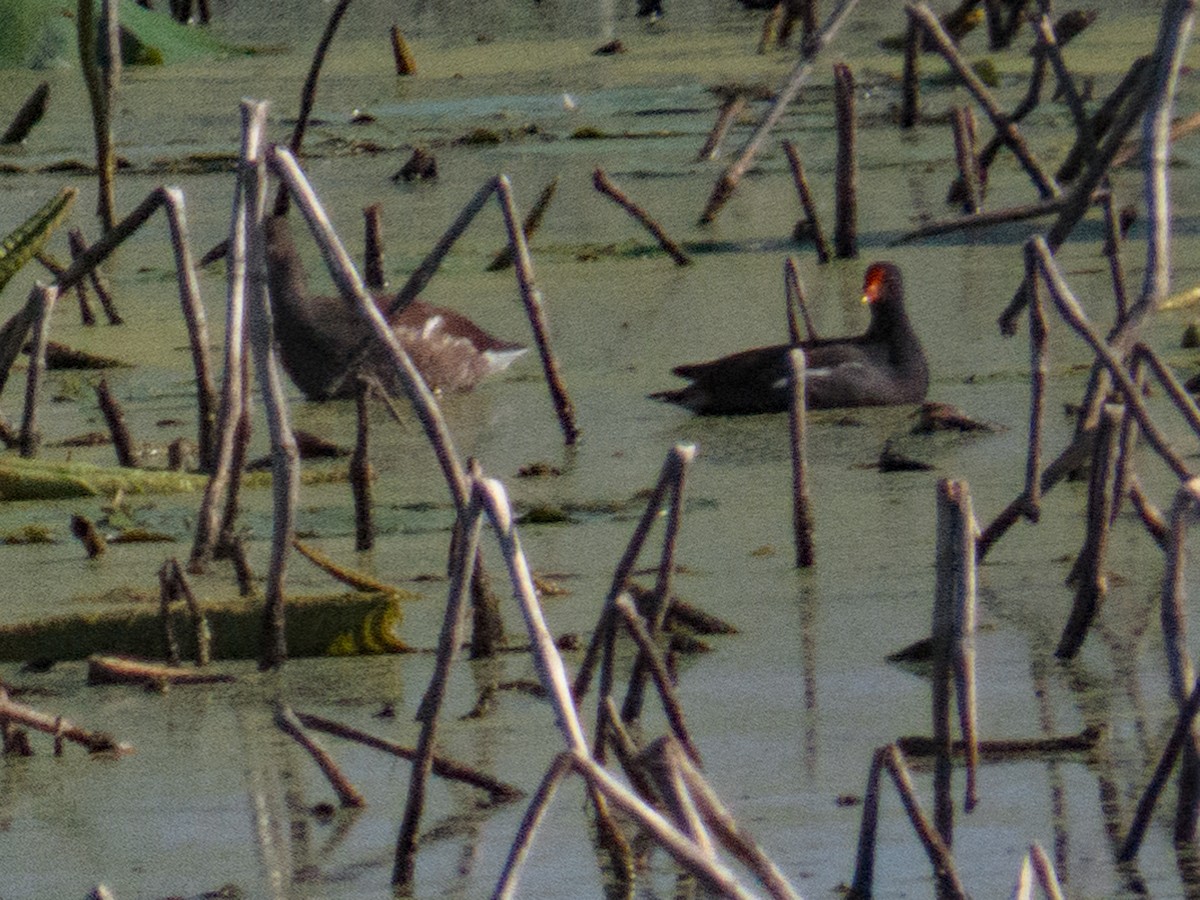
{"x": 319, "y": 337}
{"x": 882, "y": 366}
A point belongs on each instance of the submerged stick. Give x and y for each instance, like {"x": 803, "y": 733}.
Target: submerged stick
{"x": 968, "y": 160}
{"x": 604, "y": 185}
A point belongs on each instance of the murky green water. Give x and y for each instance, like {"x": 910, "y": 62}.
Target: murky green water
{"x": 788, "y": 711}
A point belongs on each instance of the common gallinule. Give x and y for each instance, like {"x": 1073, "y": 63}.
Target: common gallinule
{"x": 319, "y": 337}
{"x": 884, "y": 365}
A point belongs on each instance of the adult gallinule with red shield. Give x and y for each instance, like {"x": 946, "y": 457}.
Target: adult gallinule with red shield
{"x": 884, "y": 365}
{"x": 319, "y": 337}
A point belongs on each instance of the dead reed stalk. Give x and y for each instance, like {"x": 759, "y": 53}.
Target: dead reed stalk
{"x": 42, "y": 299}
{"x": 348, "y": 795}
{"x": 802, "y": 526}
{"x": 604, "y": 185}
{"x": 811, "y": 226}
{"x": 845, "y": 220}
{"x": 796, "y": 302}
{"x": 114, "y": 417}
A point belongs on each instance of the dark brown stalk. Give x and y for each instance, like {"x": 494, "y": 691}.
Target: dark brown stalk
{"x": 347, "y": 794}
{"x": 984, "y": 219}
{"x": 42, "y": 299}
{"x": 910, "y": 103}
{"x": 1003, "y": 123}
{"x": 729, "y": 180}
{"x": 1038, "y": 373}
{"x": 794, "y": 290}
{"x": 470, "y": 520}
{"x": 114, "y": 417}
{"x": 85, "y": 530}
{"x": 657, "y": 668}
{"x": 845, "y": 221}
{"x": 28, "y": 115}
{"x": 968, "y": 159}
{"x": 1180, "y": 735}
{"x": 1112, "y": 251}
{"x": 100, "y": 70}
{"x": 361, "y": 474}
{"x": 768, "y": 35}
{"x": 529, "y": 225}
{"x": 308, "y": 95}
{"x": 1088, "y": 572}
{"x": 604, "y": 185}
{"x": 662, "y": 761}
{"x": 406, "y": 63}
{"x": 79, "y": 247}
{"x": 726, "y": 116}
{"x": 531, "y": 298}
{"x": 807, "y": 203}
{"x": 166, "y": 594}
{"x": 1102, "y": 119}
{"x": 1048, "y": 45}
{"x": 560, "y": 768}
{"x": 373, "y": 248}
{"x": 802, "y": 526}
{"x": 487, "y": 624}
{"x": 939, "y": 855}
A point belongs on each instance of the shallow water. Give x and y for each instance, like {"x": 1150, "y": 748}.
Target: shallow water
{"x": 788, "y": 711}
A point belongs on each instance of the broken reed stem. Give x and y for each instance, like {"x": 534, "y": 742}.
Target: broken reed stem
{"x": 662, "y": 586}
{"x": 529, "y": 226}
{"x": 807, "y": 203}
{"x": 1174, "y": 31}
{"x": 43, "y": 299}
{"x": 117, "y": 427}
{"x": 939, "y": 854}
{"x": 1038, "y": 373}
{"x": 347, "y": 794}
{"x": 1071, "y": 311}
{"x": 910, "y": 102}
{"x": 1104, "y": 116}
{"x": 661, "y": 763}
{"x": 729, "y": 180}
{"x": 653, "y": 661}
{"x": 845, "y": 220}
{"x": 731, "y": 835}
{"x": 794, "y": 292}
{"x": 1003, "y": 123}
{"x": 28, "y": 115}
{"x": 373, "y": 247}
{"x": 1044, "y": 870}
{"x": 443, "y": 766}
{"x": 560, "y": 767}
{"x": 77, "y": 245}
{"x": 223, "y": 473}
{"x": 406, "y": 64}
{"x": 802, "y": 526}
{"x": 197, "y": 328}
{"x": 983, "y": 220}
{"x": 351, "y": 288}
{"x": 166, "y": 590}
{"x": 308, "y": 95}
{"x": 1112, "y": 250}
{"x": 1079, "y": 199}
{"x": 1173, "y": 619}
{"x": 960, "y": 533}
{"x": 285, "y": 457}
{"x": 1088, "y": 572}
{"x": 531, "y": 297}
{"x": 84, "y": 529}
{"x": 963, "y": 121}
{"x": 1049, "y": 46}
{"x": 604, "y": 185}
{"x": 99, "y": 79}
{"x": 667, "y": 478}
{"x": 12, "y": 712}
{"x": 1181, "y": 734}
{"x": 687, "y": 853}
{"x": 730, "y": 109}
{"x": 361, "y": 473}
{"x": 468, "y": 527}
{"x": 768, "y": 35}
